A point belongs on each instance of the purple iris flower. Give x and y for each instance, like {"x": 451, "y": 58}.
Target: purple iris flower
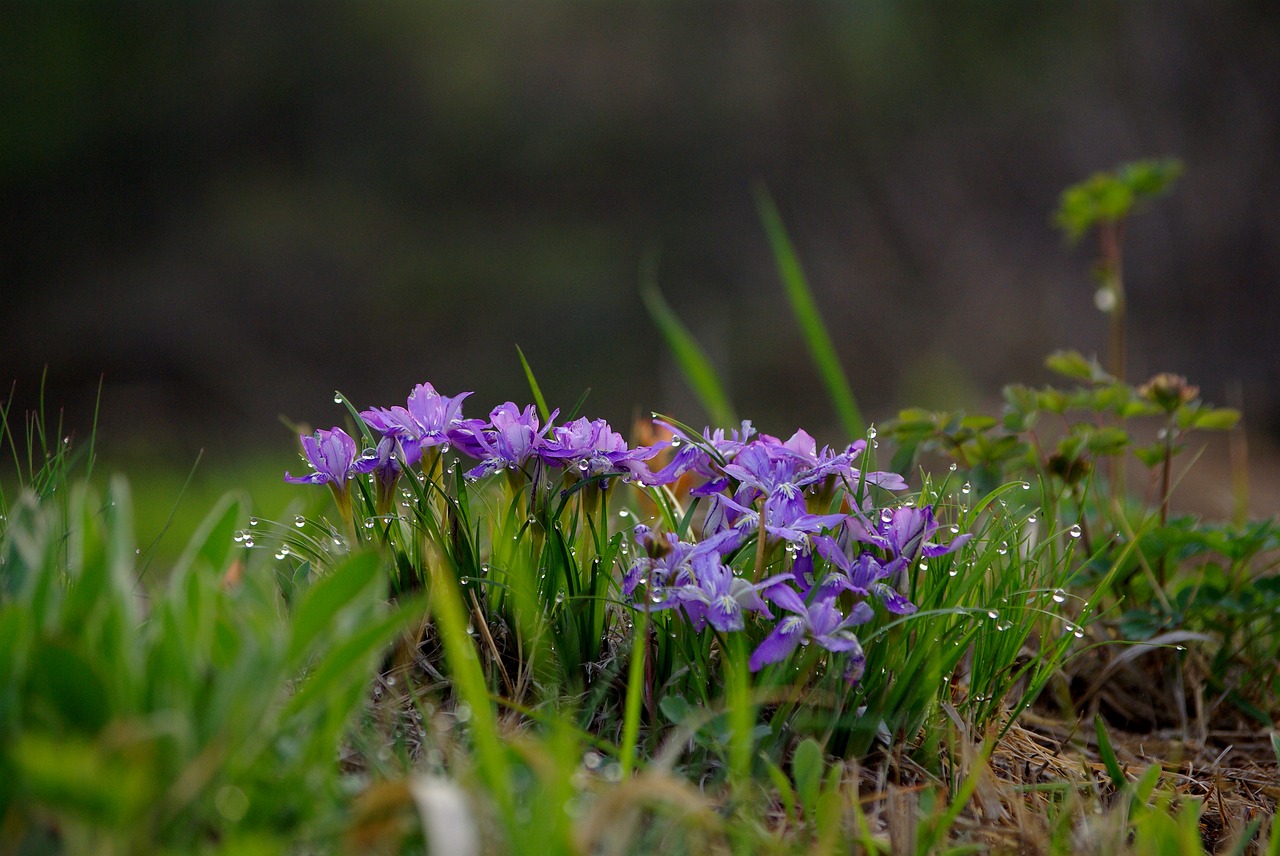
{"x": 863, "y": 575}
{"x": 669, "y": 561}
{"x": 593, "y": 448}
{"x": 715, "y": 595}
{"x": 904, "y": 534}
{"x": 331, "y": 453}
{"x": 820, "y": 622}
{"x": 429, "y": 420}
{"x": 693, "y": 456}
{"x": 510, "y": 440}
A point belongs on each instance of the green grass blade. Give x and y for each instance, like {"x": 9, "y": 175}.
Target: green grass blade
{"x": 806, "y": 311}
{"x": 1108, "y": 754}
{"x": 693, "y": 361}
{"x": 543, "y": 410}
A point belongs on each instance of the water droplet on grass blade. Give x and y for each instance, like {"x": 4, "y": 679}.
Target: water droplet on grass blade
{"x": 965, "y": 488}
{"x": 1074, "y": 531}
{"x": 1059, "y": 596}
{"x": 253, "y": 521}
{"x": 299, "y": 521}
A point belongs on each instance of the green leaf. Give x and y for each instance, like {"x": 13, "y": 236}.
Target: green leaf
{"x": 1108, "y": 754}
{"x": 674, "y": 708}
{"x": 1216, "y": 419}
{"x": 212, "y": 543}
{"x": 807, "y": 768}
{"x": 543, "y": 410}
{"x": 67, "y": 688}
{"x": 1075, "y": 365}
{"x": 327, "y": 597}
{"x": 692, "y": 360}
{"x": 806, "y": 312}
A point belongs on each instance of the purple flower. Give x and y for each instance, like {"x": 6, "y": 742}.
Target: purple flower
{"x": 593, "y": 448}
{"x": 904, "y": 534}
{"x": 331, "y": 454}
{"x": 510, "y": 440}
{"x": 669, "y": 561}
{"x": 691, "y": 455}
{"x": 863, "y": 576}
{"x": 429, "y": 420}
{"x": 819, "y": 622}
{"x": 715, "y": 595}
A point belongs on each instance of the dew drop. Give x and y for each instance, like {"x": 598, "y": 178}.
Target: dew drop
{"x": 992, "y": 614}
{"x": 624, "y": 513}
{"x": 1079, "y": 633}
{"x": 299, "y": 521}
{"x": 1059, "y": 596}
{"x": 463, "y": 711}
{"x": 965, "y": 488}
{"x": 955, "y": 530}
{"x": 1031, "y": 518}
{"x": 1003, "y": 548}
{"x": 1074, "y": 531}
{"x": 559, "y": 597}
{"x": 484, "y": 569}
{"x": 1026, "y": 485}
{"x": 953, "y": 571}
{"x": 239, "y": 536}
{"x": 248, "y": 542}
{"x": 871, "y": 433}
{"x": 368, "y": 523}
{"x": 337, "y": 398}
{"x": 952, "y": 467}
{"x": 253, "y": 521}
{"x": 924, "y": 566}
{"x": 280, "y": 555}
{"x": 1004, "y": 625}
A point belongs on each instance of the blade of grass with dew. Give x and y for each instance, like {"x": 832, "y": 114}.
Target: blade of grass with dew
{"x": 693, "y": 361}
{"x": 815, "y": 332}
{"x": 538, "y": 399}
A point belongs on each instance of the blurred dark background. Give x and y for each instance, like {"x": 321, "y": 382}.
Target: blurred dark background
{"x": 226, "y": 211}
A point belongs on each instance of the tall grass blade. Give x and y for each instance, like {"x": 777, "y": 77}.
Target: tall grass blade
{"x": 543, "y": 410}
{"x": 693, "y": 361}
{"x": 806, "y": 311}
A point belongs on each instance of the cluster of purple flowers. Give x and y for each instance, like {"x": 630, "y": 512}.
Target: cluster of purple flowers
{"x": 778, "y": 491}
{"x": 511, "y": 439}
{"x": 790, "y": 493}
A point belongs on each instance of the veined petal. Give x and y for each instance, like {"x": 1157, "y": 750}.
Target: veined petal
{"x": 779, "y": 644}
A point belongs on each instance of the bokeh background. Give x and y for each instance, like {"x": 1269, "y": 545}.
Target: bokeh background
{"x": 226, "y": 211}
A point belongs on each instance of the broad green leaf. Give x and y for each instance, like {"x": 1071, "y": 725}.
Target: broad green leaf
{"x": 1076, "y": 365}
{"x": 327, "y": 597}
{"x": 807, "y": 768}
{"x": 213, "y": 542}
